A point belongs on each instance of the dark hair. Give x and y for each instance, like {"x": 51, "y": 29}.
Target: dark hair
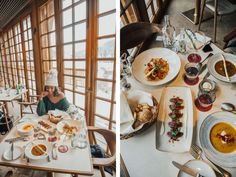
{"x": 56, "y": 90}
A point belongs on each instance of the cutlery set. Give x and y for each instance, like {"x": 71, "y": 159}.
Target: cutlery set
{"x": 196, "y": 152}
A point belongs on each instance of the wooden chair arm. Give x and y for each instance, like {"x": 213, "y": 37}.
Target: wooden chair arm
{"x": 104, "y": 161}
{"x": 27, "y": 103}
{"x": 110, "y": 137}
{"x": 34, "y": 96}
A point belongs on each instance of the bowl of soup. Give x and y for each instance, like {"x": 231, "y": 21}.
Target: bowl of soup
{"x": 26, "y": 128}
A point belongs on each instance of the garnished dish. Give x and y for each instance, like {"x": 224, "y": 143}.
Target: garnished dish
{"x": 54, "y": 119}
{"x": 69, "y": 129}
{"x": 44, "y": 124}
{"x": 156, "y": 69}
{"x": 39, "y": 150}
{"x": 143, "y": 113}
{"x": 223, "y": 137}
{"x": 175, "y": 124}
{"x": 231, "y": 69}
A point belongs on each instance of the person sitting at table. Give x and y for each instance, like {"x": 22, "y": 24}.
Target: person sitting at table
{"x": 51, "y": 98}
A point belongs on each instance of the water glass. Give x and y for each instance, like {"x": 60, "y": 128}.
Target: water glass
{"x": 206, "y": 95}
{"x": 192, "y": 71}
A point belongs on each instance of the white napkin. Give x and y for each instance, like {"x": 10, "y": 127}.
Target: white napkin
{"x": 125, "y": 111}
{"x": 133, "y": 98}
{"x": 58, "y": 112}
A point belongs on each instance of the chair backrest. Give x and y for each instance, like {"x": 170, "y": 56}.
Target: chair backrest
{"x": 108, "y": 135}
{"x": 134, "y": 34}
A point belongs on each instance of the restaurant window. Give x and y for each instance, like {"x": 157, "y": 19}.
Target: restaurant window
{"x": 74, "y": 47}
{"x": 47, "y": 37}
{"x": 10, "y": 82}
{"x": 27, "y": 33}
{"x": 105, "y": 65}
{"x": 18, "y": 53}
{"x": 2, "y": 62}
{"x": 12, "y": 56}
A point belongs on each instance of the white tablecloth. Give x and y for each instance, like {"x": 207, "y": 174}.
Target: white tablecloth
{"x": 139, "y": 153}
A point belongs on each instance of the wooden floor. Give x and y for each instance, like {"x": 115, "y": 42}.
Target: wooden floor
{"x": 225, "y": 25}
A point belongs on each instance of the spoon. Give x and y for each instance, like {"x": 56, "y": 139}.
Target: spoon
{"x": 208, "y": 56}
{"x": 228, "y": 107}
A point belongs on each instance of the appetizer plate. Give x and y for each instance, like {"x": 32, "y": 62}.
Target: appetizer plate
{"x": 16, "y": 153}
{"x": 200, "y": 166}
{"x": 216, "y": 58}
{"x": 31, "y": 145}
{"x": 71, "y": 123}
{"x": 163, "y": 142}
{"x": 138, "y": 66}
{"x": 222, "y": 159}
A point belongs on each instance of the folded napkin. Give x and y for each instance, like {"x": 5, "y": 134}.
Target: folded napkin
{"x": 128, "y": 104}
{"x": 58, "y": 112}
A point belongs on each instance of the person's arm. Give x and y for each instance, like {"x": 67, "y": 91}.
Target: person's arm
{"x": 41, "y": 108}
{"x": 65, "y": 104}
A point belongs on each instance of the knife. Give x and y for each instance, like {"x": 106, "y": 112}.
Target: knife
{"x": 186, "y": 169}
{"x": 12, "y": 149}
{"x": 15, "y": 139}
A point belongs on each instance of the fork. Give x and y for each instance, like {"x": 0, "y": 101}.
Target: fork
{"x": 196, "y": 152}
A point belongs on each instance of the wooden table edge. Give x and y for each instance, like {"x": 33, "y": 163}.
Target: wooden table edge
{"x": 86, "y": 173}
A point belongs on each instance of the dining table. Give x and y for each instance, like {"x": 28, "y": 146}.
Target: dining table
{"x": 10, "y": 94}
{"x": 139, "y": 153}
{"x": 75, "y": 161}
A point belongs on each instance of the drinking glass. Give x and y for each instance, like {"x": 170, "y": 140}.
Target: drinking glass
{"x": 206, "y": 95}
{"x": 192, "y": 71}
{"x": 80, "y": 140}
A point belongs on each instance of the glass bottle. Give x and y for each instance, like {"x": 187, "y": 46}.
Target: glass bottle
{"x": 168, "y": 33}
{"x": 182, "y": 41}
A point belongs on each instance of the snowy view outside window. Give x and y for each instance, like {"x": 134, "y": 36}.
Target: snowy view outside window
{"x": 74, "y": 49}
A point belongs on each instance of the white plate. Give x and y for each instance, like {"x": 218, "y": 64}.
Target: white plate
{"x": 70, "y": 122}
{"x": 16, "y": 153}
{"x": 222, "y": 159}
{"x": 162, "y": 139}
{"x": 200, "y": 166}
{"x": 29, "y": 147}
{"x": 138, "y": 66}
{"x": 22, "y": 132}
{"x": 217, "y": 57}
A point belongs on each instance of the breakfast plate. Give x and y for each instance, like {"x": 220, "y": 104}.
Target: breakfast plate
{"x": 218, "y": 138}
{"x": 216, "y": 68}
{"x": 68, "y": 127}
{"x": 165, "y": 61}
{"x": 200, "y": 166}
{"x": 38, "y": 150}
{"x": 7, "y": 155}
{"x": 174, "y": 127}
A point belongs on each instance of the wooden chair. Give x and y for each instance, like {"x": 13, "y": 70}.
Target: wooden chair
{"x": 231, "y": 35}
{"x": 110, "y": 138}
{"x": 29, "y": 104}
{"x": 220, "y": 8}
{"x": 134, "y": 34}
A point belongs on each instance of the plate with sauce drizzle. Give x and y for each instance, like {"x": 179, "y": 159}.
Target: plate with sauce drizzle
{"x": 216, "y": 67}
{"x": 217, "y": 137}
